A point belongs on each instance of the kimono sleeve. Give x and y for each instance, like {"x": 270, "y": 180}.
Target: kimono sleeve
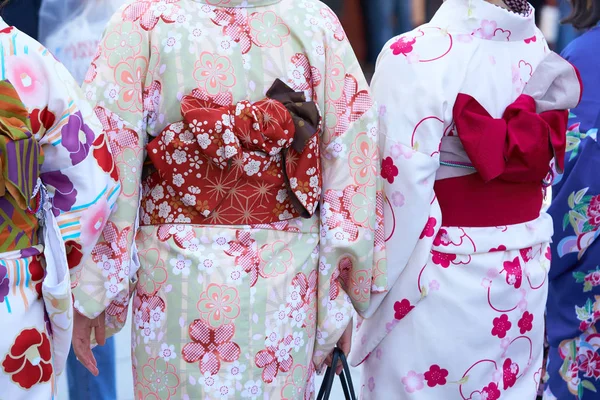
{"x": 78, "y": 170}
{"x": 117, "y": 83}
{"x": 412, "y": 105}
{"x": 352, "y": 252}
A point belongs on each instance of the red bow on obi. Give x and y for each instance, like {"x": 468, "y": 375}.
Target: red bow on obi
{"x": 247, "y": 163}
{"x": 517, "y": 147}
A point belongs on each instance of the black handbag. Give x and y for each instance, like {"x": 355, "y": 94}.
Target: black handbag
{"x": 345, "y": 378}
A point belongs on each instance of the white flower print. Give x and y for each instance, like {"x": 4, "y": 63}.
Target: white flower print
{"x": 314, "y": 181}
{"x": 210, "y": 382}
{"x": 167, "y": 352}
{"x": 252, "y": 389}
{"x": 188, "y": 200}
{"x": 107, "y": 266}
{"x": 293, "y": 183}
{"x": 178, "y": 180}
{"x": 298, "y": 341}
{"x": 312, "y": 22}
{"x": 319, "y": 50}
{"x": 138, "y": 319}
{"x": 225, "y": 45}
{"x": 163, "y": 210}
{"x": 228, "y": 137}
{"x": 324, "y": 267}
{"x": 204, "y": 140}
{"x": 147, "y": 332}
{"x": 337, "y": 236}
{"x": 247, "y": 61}
{"x": 282, "y": 315}
{"x": 236, "y": 276}
{"x": 181, "y": 265}
{"x": 285, "y": 215}
{"x": 193, "y": 245}
{"x": 296, "y": 74}
{"x": 124, "y": 271}
{"x": 179, "y": 156}
{"x": 252, "y": 167}
{"x": 195, "y": 36}
{"x": 91, "y": 94}
{"x": 294, "y": 298}
{"x": 208, "y": 264}
{"x": 282, "y": 195}
{"x": 156, "y": 317}
{"x": 340, "y": 317}
{"x": 298, "y": 317}
{"x": 283, "y": 351}
{"x": 158, "y": 193}
{"x": 221, "y": 241}
{"x": 236, "y": 370}
{"x": 373, "y": 130}
{"x": 224, "y": 390}
{"x": 172, "y": 42}
{"x": 112, "y": 287}
{"x": 272, "y": 339}
{"x": 111, "y": 94}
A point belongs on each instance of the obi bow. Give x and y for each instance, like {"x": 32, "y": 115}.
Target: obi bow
{"x": 21, "y": 156}
{"x": 222, "y": 158}
{"x": 520, "y": 146}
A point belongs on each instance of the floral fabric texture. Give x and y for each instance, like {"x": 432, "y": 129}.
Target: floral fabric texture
{"x": 56, "y": 167}
{"x": 259, "y": 222}
{"x": 464, "y": 317}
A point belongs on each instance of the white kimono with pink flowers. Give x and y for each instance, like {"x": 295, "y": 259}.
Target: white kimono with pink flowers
{"x": 464, "y": 318}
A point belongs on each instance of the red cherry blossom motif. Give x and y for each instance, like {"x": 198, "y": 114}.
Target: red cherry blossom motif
{"x": 403, "y": 46}
{"x": 442, "y": 259}
{"x": 501, "y": 326}
{"x": 510, "y": 371}
{"x": 526, "y": 322}
{"x": 436, "y": 376}
{"x": 29, "y": 360}
{"x": 492, "y": 391}
{"x": 210, "y": 346}
{"x": 589, "y": 362}
{"x": 402, "y": 308}
{"x": 388, "y": 170}
{"x": 514, "y": 272}
{"x": 429, "y": 229}
{"x": 275, "y": 359}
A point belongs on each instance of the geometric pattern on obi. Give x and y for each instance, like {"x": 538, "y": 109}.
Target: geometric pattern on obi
{"x": 21, "y": 158}
{"x": 236, "y": 164}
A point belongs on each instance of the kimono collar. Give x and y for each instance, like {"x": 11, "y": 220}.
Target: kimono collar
{"x": 239, "y": 3}
{"x": 485, "y": 20}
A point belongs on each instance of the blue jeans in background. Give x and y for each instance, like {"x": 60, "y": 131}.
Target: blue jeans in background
{"x": 385, "y": 19}
{"x": 85, "y": 386}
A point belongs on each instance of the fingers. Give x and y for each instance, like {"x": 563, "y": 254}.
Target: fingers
{"x": 81, "y": 346}
{"x": 100, "y": 330}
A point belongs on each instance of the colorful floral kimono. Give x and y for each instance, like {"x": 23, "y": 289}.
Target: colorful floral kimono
{"x": 473, "y": 110}
{"x": 250, "y": 225}
{"x": 58, "y": 183}
{"x": 574, "y": 296}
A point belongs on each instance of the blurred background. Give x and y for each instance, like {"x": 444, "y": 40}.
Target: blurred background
{"x": 71, "y": 30}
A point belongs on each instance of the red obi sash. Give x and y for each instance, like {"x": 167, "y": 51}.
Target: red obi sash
{"x": 512, "y": 157}
{"x": 241, "y": 164}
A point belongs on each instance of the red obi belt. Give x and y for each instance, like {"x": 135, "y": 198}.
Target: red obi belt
{"x": 241, "y": 164}
{"x": 511, "y": 156}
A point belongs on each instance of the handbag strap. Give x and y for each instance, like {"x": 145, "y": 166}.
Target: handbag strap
{"x": 345, "y": 378}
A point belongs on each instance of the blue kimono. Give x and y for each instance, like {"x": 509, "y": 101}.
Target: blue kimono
{"x": 573, "y": 314}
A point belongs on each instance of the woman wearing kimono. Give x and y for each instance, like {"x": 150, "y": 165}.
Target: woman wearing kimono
{"x": 250, "y": 223}
{"x": 58, "y": 184}
{"x": 473, "y": 109}
{"x": 573, "y": 301}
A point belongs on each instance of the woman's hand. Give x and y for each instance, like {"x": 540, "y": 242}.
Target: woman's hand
{"x": 344, "y": 344}
{"x": 82, "y": 332}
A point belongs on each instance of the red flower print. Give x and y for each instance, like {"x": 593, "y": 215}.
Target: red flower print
{"x": 104, "y": 158}
{"x": 497, "y": 249}
{"x": 37, "y": 272}
{"x": 593, "y": 211}
{"x": 514, "y": 273}
{"x": 246, "y": 255}
{"x": 41, "y": 119}
{"x": 29, "y": 360}
{"x": 388, "y": 170}
{"x": 429, "y": 229}
{"x": 510, "y": 371}
{"x": 548, "y": 253}
{"x": 442, "y": 259}
{"x": 442, "y": 238}
{"x": 593, "y": 278}
{"x": 403, "y": 46}
{"x": 436, "y": 376}
{"x": 589, "y": 362}
{"x": 210, "y": 346}
{"x": 275, "y": 358}
{"x": 492, "y": 391}
{"x": 501, "y": 326}
{"x": 74, "y": 253}
{"x": 402, "y": 308}
{"x": 526, "y": 322}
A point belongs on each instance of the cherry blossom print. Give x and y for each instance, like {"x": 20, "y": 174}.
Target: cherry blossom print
{"x": 210, "y": 346}
{"x": 352, "y": 105}
{"x": 413, "y": 382}
{"x": 150, "y": 12}
{"x": 332, "y": 23}
{"x": 589, "y": 362}
{"x": 302, "y": 75}
{"x": 161, "y": 378}
{"x": 181, "y": 266}
{"x": 388, "y": 170}
{"x": 219, "y": 305}
{"x": 29, "y": 360}
{"x": 501, "y": 326}
{"x": 429, "y": 229}
{"x": 404, "y": 45}
{"x": 514, "y": 272}
{"x": 402, "y": 308}
{"x": 442, "y": 259}
{"x": 398, "y": 199}
{"x": 436, "y": 376}
{"x": 167, "y": 352}
{"x": 525, "y": 324}
{"x": 442, "y": 238}
{"x": 268, "y": 29}
{"x": 510, "y": 371}
{"x": 275, "y": 359}
{"x": 490, "y": 30}
{"x": 252, "y": 390}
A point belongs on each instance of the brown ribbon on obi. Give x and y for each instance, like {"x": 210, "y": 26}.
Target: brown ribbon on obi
{"x": 226, "y": 155}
